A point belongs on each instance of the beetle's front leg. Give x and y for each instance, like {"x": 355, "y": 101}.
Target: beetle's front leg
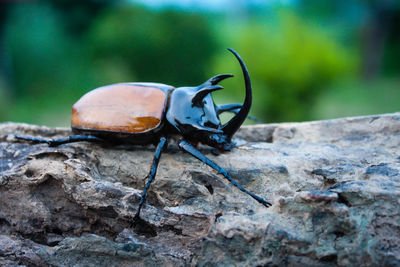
{"x": 221, "y": 142}
{"x": 197, "y": 154}
{"x": 153, "y": 171}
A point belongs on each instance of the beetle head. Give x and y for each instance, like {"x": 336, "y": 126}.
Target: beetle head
{"x": 193, "y": 113}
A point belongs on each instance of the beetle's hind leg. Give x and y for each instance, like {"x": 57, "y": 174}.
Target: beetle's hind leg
{"x": 197, "y": 154}
{"x": 60, "y": 141}
{"x": 153, "y": 171}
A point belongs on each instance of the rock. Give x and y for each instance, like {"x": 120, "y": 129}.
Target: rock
{"x": 334, "y": 185}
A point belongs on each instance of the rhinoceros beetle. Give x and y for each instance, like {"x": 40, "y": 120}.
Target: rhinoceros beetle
{"x": 145, "y": 113}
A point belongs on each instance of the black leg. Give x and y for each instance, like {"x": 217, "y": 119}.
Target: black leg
{"x": 253, "y": 118}
{"x": 60, "y": 141}
{"x": 153, "y": 170}
{"x": 235, "y": 108}
{"x": 197, "y": 154}
{"x": 228, "y": 107}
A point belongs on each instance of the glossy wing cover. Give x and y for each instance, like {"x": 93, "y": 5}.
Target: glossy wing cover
{"x": 124, "y": 108}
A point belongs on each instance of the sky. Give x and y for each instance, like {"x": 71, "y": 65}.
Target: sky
{"x": 207, "y": 4}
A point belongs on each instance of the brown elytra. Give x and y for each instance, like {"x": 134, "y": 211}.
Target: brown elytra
{"x": 124, "y": 108}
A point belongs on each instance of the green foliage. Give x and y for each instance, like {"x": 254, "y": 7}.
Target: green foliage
{"x": 169, "y": 46}
{"x": 290, "y": 62}
{"x": 355, "y": 98}
{"x": 42, "y": 60}
{"x": 52, "y": 66}
{"x": 55, "y": 51}
{"x": 36, "y": 44}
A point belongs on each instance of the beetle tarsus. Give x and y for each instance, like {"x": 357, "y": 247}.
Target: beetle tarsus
{"x": 136, "y": 219}
{"x": 197, "y": 154}
{"x": 215, "y": 152}
{"x": 60, "y": 141}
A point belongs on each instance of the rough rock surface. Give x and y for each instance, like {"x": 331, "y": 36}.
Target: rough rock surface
{"x": 335, "y": 188}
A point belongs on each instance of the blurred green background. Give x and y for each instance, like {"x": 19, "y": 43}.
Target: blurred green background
{"x": 308, "y": 59}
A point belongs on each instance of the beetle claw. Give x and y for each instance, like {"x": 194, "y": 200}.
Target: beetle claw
{"x": 51, "y": 142}
{"x": 136, "y": 219}
{"x": 266, "y": 203}
{"x": 215, "y": 152}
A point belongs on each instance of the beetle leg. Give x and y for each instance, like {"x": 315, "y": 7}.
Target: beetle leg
{"x": 228, "y": 107}
{"x": 153, "y": 170}
{"x": 235, "y": 108}
{"x": 215, "y": 152}
{"x": 197, "y": 154}
{"x": 60, "y": 141}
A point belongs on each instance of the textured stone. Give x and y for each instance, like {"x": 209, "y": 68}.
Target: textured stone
{"x": 334, "y": 185}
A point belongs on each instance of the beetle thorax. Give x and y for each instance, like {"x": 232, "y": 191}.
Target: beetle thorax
{"x": 194, "y": 115}
{"x": 196, "y": 119}
{"x": 191, "y": 116}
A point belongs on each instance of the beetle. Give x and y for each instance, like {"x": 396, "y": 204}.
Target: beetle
{"x": 145, "y": 113}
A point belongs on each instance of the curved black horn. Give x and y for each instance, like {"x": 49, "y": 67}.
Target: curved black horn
{"x": 198, "y": 97}
{"x": 216, "y": 79}
{"x": 234, "y": 124}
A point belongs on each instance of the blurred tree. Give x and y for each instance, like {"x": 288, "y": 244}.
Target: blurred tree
{"x": 53, "y": 51}
{"x": 40, "y": 49}
{"x": 391, "y": 53}
{"x": 41, "y": 57}
{"x": 168, "y": 46}
{"x": 78, "y": 15}
{"x": 376, "y": 33}
{"x": 290, "y": 61}
{"x": 5, "y": 68}
{"x": 57, "y": 53}
{"x": 378, "y": 24}
{"x": 48, "y": 63}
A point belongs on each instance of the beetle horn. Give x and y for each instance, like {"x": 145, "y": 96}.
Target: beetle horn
{"x": 209, "y": 86}
{"x": 234, "y": 124}
{"x": 216, "y": 79}
{"x": 198, "y": 97}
